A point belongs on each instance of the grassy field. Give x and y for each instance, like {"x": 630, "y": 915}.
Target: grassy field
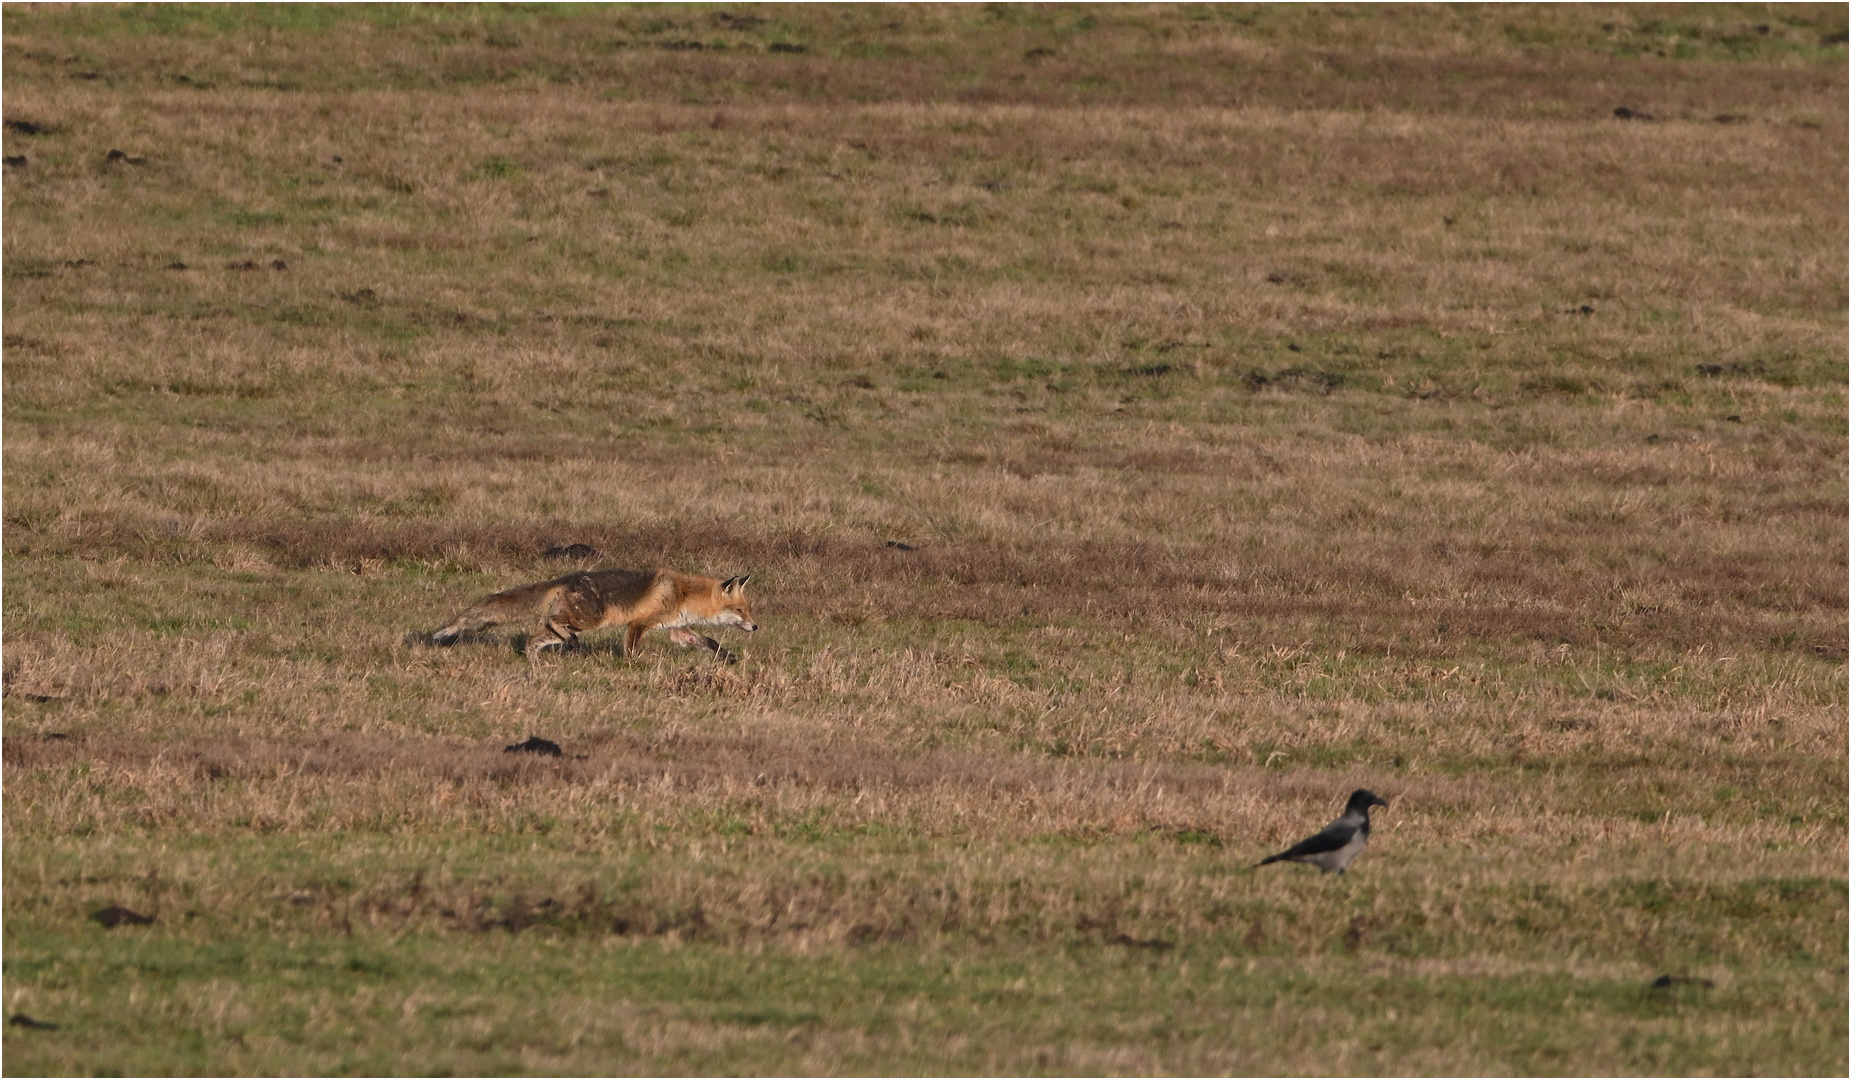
{"x": 1142, "y": 425}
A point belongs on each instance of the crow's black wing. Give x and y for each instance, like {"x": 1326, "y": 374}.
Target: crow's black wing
{"x": 1334, "y": 836}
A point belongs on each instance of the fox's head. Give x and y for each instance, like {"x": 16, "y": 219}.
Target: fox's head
{"x": 733, "y": 608}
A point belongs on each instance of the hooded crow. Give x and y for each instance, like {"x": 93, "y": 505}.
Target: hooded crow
{"x": 1341, "y": 840}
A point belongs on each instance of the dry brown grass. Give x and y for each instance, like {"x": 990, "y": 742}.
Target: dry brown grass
{"x": 1274, "y": 401}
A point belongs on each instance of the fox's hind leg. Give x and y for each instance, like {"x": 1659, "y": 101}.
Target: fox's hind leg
{"x": 557, "y": 628}
{"x": 467, "y": 621}
{"x": 554, "y": 633}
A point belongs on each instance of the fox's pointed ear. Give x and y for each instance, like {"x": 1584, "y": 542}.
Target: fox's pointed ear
{"x": 734, "y": 584}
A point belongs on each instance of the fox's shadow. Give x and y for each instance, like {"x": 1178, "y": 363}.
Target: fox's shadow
{"x": 609, "y": 647}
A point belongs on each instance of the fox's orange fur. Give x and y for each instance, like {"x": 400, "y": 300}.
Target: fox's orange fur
{"x": 592, "y": 600}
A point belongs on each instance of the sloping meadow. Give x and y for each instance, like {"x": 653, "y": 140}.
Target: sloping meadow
{"x": 1143, "y": 427}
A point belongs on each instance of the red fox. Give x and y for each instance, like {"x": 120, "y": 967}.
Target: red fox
{"x": 586, "y": 601}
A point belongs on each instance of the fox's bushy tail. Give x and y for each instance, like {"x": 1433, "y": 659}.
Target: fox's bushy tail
{"x": 525, "y": 601}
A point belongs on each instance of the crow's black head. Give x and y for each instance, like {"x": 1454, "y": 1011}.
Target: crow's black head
{"x": 1361, "y": 800}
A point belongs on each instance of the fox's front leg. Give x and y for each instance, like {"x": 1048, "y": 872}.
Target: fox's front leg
{"x": 688, "y": 639}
